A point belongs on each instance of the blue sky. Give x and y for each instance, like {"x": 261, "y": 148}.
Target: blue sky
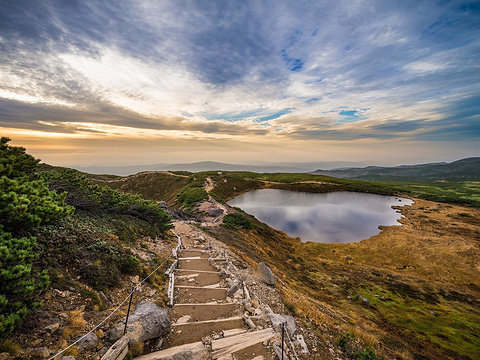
{"x": 104, "y": 82}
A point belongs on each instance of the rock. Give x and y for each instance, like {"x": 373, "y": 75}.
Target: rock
{"x": 214, "y": 212}
{"x": 258, "y": 312}
{"x": 148, "y": 321}
{"x": 250, "y": 308}
{"x": 433, "y": 313}
{"x": 365, "y": 301}
{"x": 103, "y": 350}
{"x": 301, "y": 342}
{"x": 151, "y": 292}
{"x": 135, "y": 279}
{"x": 163, "y": 204}
{"x": 52, "y": 327}
{"x": 35, "y": 343}
{"x": 265, "y": 274}
{"x": 68, "y": 357}
{"x": 88, "y": 342}
{"x": 233, "y": 288}
{"x": 159, "y": 344}
{"x": 255, "y": 303}
{"x": 184, "y": 319}
{"x": 348, "y": 257}
{"x": 41, "y": 352}
{"x": 289, "y": 321}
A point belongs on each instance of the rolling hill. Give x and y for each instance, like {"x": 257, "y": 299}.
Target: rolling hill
{"x": 461, "y": 170}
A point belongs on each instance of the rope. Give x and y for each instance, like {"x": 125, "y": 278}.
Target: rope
{"x": 114, "y": 311}
{"x": 95, "y": 328}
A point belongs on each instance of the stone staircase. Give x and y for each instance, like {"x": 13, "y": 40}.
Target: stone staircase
{"x": 208, "y": 324}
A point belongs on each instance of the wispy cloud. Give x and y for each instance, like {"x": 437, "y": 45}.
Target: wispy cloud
{"x": 328, "y": 71}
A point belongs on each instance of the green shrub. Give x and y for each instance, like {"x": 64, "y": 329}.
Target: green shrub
{"x": 85, "y": 195}
{"x": 24, "y": 205}
{"x": 190, "y": 196}
{"x": 237, "y": 221}
{"x": 129, "y": 265}
{"x": 366, "y": 354}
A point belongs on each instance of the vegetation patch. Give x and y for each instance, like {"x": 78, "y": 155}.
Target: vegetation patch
{"x": 237, "y": 221}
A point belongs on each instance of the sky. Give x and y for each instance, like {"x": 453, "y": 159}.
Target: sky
{"x": 142, "y": 82}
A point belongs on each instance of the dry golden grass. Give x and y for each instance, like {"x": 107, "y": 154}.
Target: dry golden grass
{"x": 368, "y": 338}
{"x": 76, "y": 323}
{"x": 73, "y": 351}
{"x": 430, "y": 265}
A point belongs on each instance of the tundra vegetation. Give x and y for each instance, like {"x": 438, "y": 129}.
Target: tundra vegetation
{"x": 410, "y": 292}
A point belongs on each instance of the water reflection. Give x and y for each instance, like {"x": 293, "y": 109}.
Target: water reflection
{"x": 326, "y": 218}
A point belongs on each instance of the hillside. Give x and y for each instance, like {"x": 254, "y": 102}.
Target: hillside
{"x": 461, "y": 170}
{"x": 410, "y": 292}
{"x": 391, "y": 292}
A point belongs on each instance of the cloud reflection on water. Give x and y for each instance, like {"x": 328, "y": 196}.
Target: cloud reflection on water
{"x": 325, "y": 218}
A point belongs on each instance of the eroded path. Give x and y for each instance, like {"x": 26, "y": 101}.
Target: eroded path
{"x": 209, "y": 304}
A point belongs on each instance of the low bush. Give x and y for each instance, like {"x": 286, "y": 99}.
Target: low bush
{"x": 237, "y": 221}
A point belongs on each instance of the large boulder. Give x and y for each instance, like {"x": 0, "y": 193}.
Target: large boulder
{"x": 286, "y": 320}
{"x": 265, "y": 274}
{"x": 148, "y": 321}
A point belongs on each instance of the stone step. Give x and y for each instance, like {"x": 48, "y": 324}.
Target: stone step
{"x": 195, "y": 331}
{"x": 194, "y": 350}
{"x": 195, "y": 264}
{"x": 197, "y": 294}
{"x": 233, "y": 344}
{"x": 202, "y": 312}
{"x": 193, "y": 278}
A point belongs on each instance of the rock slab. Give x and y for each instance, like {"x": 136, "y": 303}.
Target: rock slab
{"x": 148, "y": 321}
{"x": 265, "y": 274}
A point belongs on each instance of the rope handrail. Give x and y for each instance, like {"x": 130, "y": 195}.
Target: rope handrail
{"x": 119, "y": 306}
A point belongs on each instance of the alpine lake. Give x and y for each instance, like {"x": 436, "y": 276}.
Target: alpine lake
{"x": 336, "y": 217}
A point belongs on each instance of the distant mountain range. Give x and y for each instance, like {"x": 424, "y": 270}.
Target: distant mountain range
{"x": 465, "y": 169}
{"x": 289, "y": 167}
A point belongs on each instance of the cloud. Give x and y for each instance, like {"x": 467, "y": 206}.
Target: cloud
{"x": 329, "y": 71}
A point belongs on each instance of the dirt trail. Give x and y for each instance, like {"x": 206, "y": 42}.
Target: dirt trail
{"x": 214, "y": 209}
{"x": 203, "y": 312}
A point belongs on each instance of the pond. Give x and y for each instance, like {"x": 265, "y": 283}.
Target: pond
{"x": 324, "y": 218}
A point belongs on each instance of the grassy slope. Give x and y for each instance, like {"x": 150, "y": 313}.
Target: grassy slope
{"x": 160, "y": 186}
{"x": 421, "y": 279}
